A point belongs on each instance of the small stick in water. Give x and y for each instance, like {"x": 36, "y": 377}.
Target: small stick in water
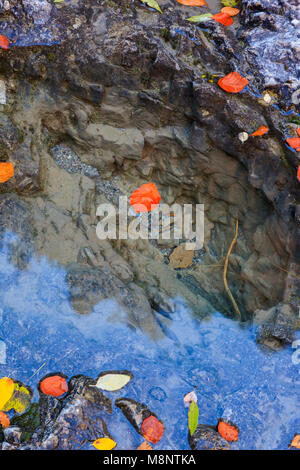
{"x": 226, "y": 267}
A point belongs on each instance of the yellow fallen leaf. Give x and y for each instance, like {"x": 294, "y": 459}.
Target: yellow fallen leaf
{"x": 104, "y": 444}
{"x": 152, "y": 4}
{"x": 113, "y": 380}
{"x": 6, "y": 390}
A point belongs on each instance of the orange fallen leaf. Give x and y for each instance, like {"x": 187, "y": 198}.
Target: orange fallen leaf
{"x": 298, "y": 131}
{"x": 261, "y": 131}
{"x": 230, "y": 11}
{"x": 6, "y": 171}
{"x": 298, "y": 173}
{"x": 145, "y": 198}
{"x": 4, "y": 420}
{"x": 4, "y": 42}
{"x": 296, "y": 441}
{"x": 54, "y": 385}
{"x": 193, "y": 3}
{"x": 223, "y": 18}
{"x": 144, "y": 446}
{"x": 228, "y": 430}
{"x": 294, "y": 142}
{"x": 152, "y": 429}
{"x": 233, "y": 82}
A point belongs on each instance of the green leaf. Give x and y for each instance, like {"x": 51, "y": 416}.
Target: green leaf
{"x": 152, "y": 4}
{"x": 200, "y": 18}
{"x": 20, "y": 399}
{"x": 193, "y": 417}
{"x": 230, "y": 3}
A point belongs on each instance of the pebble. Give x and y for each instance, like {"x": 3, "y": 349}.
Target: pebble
{"x": 67, "y": 159}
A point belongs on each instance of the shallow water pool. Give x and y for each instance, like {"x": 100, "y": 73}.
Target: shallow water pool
{"x": 259, "y": 391}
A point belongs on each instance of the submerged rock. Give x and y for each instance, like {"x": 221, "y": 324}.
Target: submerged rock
{"x": 276, "y": 326}
{"x": 207, "y": 438}
{"x": 134, "y": 411}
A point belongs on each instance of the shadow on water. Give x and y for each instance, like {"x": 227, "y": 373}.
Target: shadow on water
{"x": 234, "y": 378}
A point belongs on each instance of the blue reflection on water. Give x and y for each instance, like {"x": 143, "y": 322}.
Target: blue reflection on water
{"x": 234, "y": 378}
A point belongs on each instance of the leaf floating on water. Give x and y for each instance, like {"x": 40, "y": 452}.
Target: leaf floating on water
{"x": 4, "y": 42}
{"x": 145, "y": 446}
{"x": 20, "y": 399}
{"x": 193, "y": 417}
{"x": 4, "y": 420}
{"x": 298, "y": 132}
{"x": 298, "y": 173}
{"x": 6, "y": 390}
{"x": 6, "y": 171}
{"x": 233, "y": 82}
{"x": 54, "y": 385}
{"x": 228, "y": 430}
{"x": 261, "y": 131}
{"x": 113, "y": 380}
{"x": 152, "y": 429}
{"x": 200, "y": 18}
{"x": 193, "y": 3}
{"x": 104, "y": 444}
{"x": 223, "y": 18}
{"x": 189, "y": 398}
{"x": 230, "y": 11}
{"x": 294, "y": 142}
{"x": 296, "y": 441}
{"x": 152, "y": 4}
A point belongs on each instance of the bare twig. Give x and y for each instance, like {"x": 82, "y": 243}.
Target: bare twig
{"x": 226, "y": 267}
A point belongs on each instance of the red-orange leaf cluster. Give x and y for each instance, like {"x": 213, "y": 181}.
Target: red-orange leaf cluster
{"x": 261, "y": 131}
{"x": 4, "y": 420}
{"x": 6, "y": 171}
{"x": 228, "y": 430}
{"x": 230, "y": 11}
{"x": 54, "y": 386}
{"x": 145, "y": 198}
{"x": 223, "y": 18}
{"x": 4, "y": 42}
{"x": 152, "y": 429}
{"x": 233, "y": 82}
{"x": 294, "y": 142}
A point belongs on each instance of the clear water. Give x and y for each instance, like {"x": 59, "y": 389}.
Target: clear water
{"x": 258, "y": 391}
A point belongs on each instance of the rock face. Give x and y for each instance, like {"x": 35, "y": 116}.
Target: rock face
{"x": 104, "y": 97}
{"x": 271, "y": 32}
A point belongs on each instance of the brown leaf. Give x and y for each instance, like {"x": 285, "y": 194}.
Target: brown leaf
{"x": 181, "y": 258}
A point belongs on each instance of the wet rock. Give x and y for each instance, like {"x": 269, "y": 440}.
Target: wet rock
{"x": 134, "y": 411}
{"x": 272, "y": 44}
{"x": 88, "y": 286}
{"x": 15, "y": 217}
{"x": 276, "y": 326}
{"x": 28, "y": 422}
{"x": 207, "y": 438}
{"x": 12, "y": 435}
{"x": 160, "y": 301}
{"x": 9, "y": 136}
